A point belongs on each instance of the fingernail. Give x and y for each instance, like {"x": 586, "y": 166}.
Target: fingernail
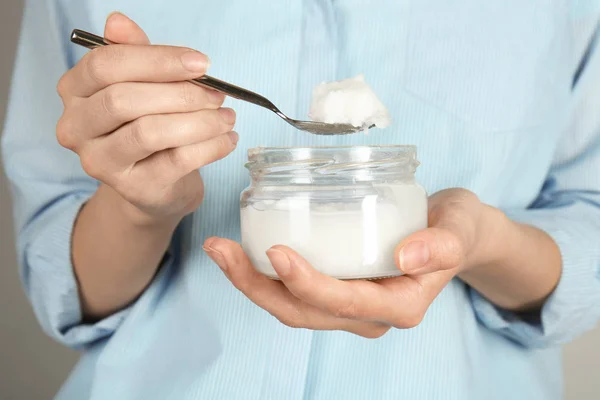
{"x": 114, "y": 13}
{"x": 215, "y": 97}
{"x": 216, "y": 256}
{"x": 234, "y": 137}
{"x": 413, "y": 256}
{"x": 280, "y": 261}
{"x": 228, "y": 115}
{"x": 194, "y": 61}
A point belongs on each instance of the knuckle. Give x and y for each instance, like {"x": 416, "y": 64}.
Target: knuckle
{"x": 140, "y": 135}
{"x": 240, "y": 284}
{"x": 291, "y": 321}
{"x": 219, "y": 119}
{"x": 134, "y": 193}
{"x": 222, "y": 120}
{"x": 223, "y": 144}
{"x": 61, "y": 86}
{"x": 291, "y": 316}
{"x": 466, "y": 196}
{"x": 166, "y": 58}
{"x": 235, "y": 253}
{"x": 376, "y": 332}
{"x": 234, "y": 119}
{"x": 64, "y": 133}
{"x": 128, "y": 191}
{"x": 347, "y": 310}
{"x": 100, "y": 62}
{"x": 455, "y": 199}
{"x": 90, "y": 164}
{"x": 115, "y": 101}
{"x": 177, "y": 158}
{"x": 212, "y": 101}
{"x": 411, "y": 320}
{"x": 453, "y": 252}
{"x": 213, "y": 120}
{"x": 210, "y": 122}
{"x": 305, "y": 290}
{"x": 96, "y": 65}
{"x": 136, "y": 133}
{"x": 184, "y": 128}
{"x": 187, "y": 95}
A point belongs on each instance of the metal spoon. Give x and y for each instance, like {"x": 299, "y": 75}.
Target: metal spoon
{"x": 92, "y": 41}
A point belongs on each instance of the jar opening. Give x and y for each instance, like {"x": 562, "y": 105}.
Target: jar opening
{"x": 359, "y": 163}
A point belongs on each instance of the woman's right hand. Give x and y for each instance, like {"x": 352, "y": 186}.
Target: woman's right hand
{"x": 138, "y": 127}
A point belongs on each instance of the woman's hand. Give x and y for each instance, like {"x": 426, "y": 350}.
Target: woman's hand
{"x": 462, "y": 234}
{"x": 138, "y": 127}
{"x": 144, "y": 132}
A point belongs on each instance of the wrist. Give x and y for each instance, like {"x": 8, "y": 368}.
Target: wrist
{"x": 115, "y": 251}
{"x": 517, "y": 268}
{"x": 131, "y": 214}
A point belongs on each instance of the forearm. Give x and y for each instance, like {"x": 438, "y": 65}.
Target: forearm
{"x": 116, "y": 252}
{"x": 517, "y": 267}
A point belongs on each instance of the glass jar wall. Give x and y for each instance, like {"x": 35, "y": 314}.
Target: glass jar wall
{"x": 344, "y": 209}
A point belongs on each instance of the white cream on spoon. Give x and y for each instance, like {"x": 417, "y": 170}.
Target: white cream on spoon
{"x": 349, "y": 101}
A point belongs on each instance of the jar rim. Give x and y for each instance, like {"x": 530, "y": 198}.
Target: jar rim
{"x": 350, "y": 153}
{"x": 355, "y": 162}
{"x": 407, "y": 147}
{"x": 350, "y": 146}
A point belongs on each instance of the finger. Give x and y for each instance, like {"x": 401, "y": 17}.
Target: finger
{"x": 152, "y": 133}
{"x": 274, "y": 297}
{"x": 358, "y": 300}
{"x": 170, "y": 165}
{"x": 120, "y": 103}
{"x": 121, "y": 29}
{"x": 416, "y": 294}
{"x": 430, "y": 250}
{"x": 105, "y": 66}
{"x": 443, "y": 246}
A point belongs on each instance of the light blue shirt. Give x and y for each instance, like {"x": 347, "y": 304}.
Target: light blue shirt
{"x": 501, "y": 97}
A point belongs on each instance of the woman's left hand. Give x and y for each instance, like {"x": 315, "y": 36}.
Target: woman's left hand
{"x": 456, "y": 240}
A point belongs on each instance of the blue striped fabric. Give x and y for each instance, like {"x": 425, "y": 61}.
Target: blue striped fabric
{"x": 484, "y": 89}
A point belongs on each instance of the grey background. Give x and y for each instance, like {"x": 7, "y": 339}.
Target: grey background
{"x": 33, "y": 367}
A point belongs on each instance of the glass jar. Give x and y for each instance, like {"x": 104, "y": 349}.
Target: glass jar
{"x": 344, "y": 209}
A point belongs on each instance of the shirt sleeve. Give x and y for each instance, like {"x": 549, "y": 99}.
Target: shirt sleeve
{"x": 47, "y": 182}
{"x": 568, "y": 209}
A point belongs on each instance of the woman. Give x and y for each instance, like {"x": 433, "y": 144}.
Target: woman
{"x": 116, "y": 236}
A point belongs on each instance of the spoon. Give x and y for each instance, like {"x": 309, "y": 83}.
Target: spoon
{"x": 92, "y": 41}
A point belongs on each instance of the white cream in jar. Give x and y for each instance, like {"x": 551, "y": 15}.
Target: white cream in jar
{"x": 344, "y": 209}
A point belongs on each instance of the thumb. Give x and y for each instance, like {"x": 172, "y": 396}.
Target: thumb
{"x": 430, "y": 250}
{"x": 120, "y": 29}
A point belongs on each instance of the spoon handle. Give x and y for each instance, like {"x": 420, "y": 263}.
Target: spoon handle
{"x": 92, "y": 41}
